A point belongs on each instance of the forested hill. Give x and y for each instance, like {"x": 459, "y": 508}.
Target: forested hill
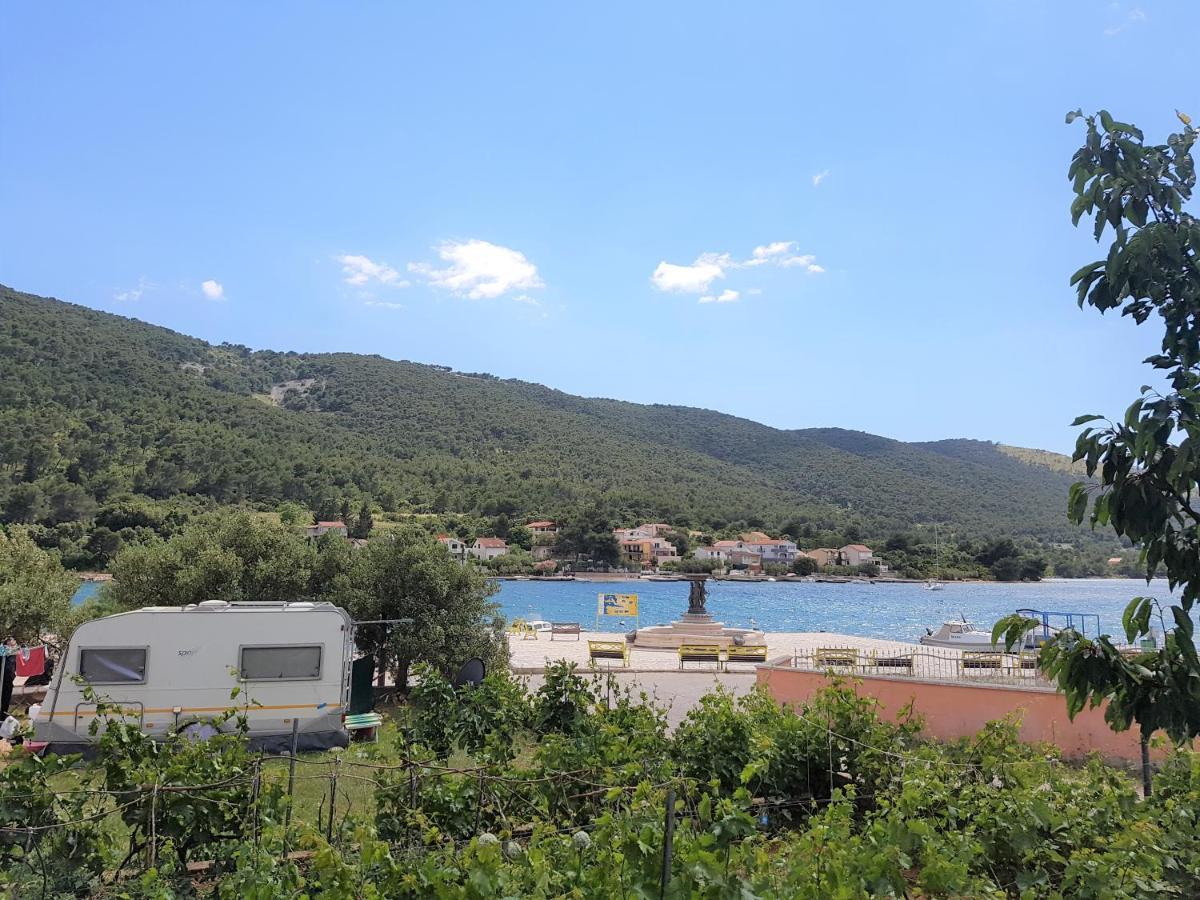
{"x": 96, "y": 408}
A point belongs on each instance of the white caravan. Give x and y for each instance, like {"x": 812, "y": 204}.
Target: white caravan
{"x": 171, "y": 668}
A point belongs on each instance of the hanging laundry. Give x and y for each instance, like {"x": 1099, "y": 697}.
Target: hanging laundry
{"x": 31, "y": 661}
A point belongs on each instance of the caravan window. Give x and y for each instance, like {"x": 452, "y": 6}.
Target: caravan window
{"x": 113, "y": 665}
{"x": 281, "y": 663}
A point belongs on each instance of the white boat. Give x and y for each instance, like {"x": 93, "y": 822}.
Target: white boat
{"x": 960, "y": 635}
{"x": 933, "y": 584}
{"x": 541, "y": 626}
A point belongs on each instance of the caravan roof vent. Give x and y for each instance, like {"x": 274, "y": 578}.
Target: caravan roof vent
{"x": 213, "y": 604}
{"x": 302, "y": 604}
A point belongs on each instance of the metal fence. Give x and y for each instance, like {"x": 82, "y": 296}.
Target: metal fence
{"x": 925, "y": 663}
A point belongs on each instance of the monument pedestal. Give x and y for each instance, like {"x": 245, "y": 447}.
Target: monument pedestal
{"x": 696, "y": 626}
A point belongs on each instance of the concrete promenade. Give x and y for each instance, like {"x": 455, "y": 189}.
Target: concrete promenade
{"x": 532, "y": 655}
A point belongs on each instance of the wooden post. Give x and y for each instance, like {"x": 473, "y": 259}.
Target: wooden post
{"x": 333, "y": 776}
{"x": 668, "y": 843}
{"x": 479, "y": 807}
{"x": 287, "y": 818}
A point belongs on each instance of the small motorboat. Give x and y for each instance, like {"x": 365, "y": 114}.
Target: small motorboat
{"x": 962, "y": 635}
{"x": 959, "y": 635}
{"x": 934, "y": 585}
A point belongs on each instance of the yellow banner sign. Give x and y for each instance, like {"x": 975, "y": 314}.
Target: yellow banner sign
{"x": 617, "y": 604}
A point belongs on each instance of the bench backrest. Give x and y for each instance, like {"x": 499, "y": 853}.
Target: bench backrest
{"x": 700, "y": 651}
{"x": 836, "y": 656}
{"x": 748, "y": 651}
{"x": 564, "y": 627}
{"x": 607, "y": 648}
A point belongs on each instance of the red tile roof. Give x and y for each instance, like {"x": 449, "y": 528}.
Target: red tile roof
{"x": 331, "y": 524}
{"x": 540, "y": 525}
{"x": 862, "y": 548}
{"x": 490, "y": 542}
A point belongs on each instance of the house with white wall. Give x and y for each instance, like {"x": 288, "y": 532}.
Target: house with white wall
{"x": 488, "y": 548}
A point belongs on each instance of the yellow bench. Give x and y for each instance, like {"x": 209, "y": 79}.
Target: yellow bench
{"x": 746, "y": 653}
{"x": 608, "y": 650}
{"x": 700, "y": 653}
{"x": 1025, "y": 661}
{"x": 981, "y": 659}
{"x": 835, "y": 658}
{"x": 886, "y": 660}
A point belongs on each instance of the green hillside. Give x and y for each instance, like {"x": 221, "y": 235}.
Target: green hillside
{"x": 100, "y": 414}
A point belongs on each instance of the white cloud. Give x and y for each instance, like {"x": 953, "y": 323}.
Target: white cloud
{"x": 360, "y": 270}
{"x": 698, "y": 277}
{"x": 768, "y": 252}
{"x": 819, "y": 177}
{"x": 525, "y": 298}
{"x": 693, "y": 279}
{"x": 383, "y": 304}
{"x": 213, "y": 290}
{"x": 134, "y": 294}
{"x": 726, "y": 296}
{"x": 1136, "y": 16}
{"x": 479, "y": 270}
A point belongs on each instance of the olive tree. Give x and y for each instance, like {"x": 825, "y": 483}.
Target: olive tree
{"x": 35, "y": 591}
{"x": 407, "y": 575}
{"x": 1145, "y": 466}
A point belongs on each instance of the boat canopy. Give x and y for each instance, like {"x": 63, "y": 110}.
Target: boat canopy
{"x": 1086, "y": 624}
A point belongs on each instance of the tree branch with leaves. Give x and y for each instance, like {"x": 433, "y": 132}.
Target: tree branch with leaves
{"x": 1146, "y": 466}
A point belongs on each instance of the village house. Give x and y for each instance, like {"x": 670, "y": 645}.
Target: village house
{"x": 734, "y": 554}
{"x": 859, "y": 555}
{"x": 315, "y": 531}
{"x": 544, "y": 527}
{"x": 456, "y": 547}
{"x": 772, "y": 550}
{"x": 488, "y": 548}
{"x": 721, "y": 554}
{"x": 825, "y": 556}
{"x": 746, "y": 560}
{"x": 646, "y": 530}
{"x": 648, "y": 552}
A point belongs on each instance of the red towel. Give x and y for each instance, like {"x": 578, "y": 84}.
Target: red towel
{"x": 31, "y": 661}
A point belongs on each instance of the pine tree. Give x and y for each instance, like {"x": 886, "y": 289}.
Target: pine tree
{"x": 364, "y": 523}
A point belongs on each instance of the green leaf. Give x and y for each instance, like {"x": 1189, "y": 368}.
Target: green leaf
{"x": 1083, "y": 420}
{"x": 1073, "y": 115}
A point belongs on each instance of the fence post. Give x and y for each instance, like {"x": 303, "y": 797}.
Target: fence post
{"x": 256, "y": 787}
{"x": 412, "y": 802}
{"x": 668, "y": 843}
{"x": 479, "y": 806}
{"x": 287, "y": 818}
{"x": 333, "y": 777}
{"x": 1145, "y": 766}
{"x": 154, "y": 825}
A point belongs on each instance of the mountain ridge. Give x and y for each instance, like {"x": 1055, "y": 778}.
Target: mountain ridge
{"x": 182, "y": 418}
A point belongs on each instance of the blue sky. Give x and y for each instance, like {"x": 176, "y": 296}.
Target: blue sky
{"x": 574, "y": 194}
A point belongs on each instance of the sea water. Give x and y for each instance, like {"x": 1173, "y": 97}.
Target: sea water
{"x": 893, "y": 611}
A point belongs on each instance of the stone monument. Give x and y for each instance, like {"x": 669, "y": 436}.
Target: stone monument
{"x": 696, "y": 626}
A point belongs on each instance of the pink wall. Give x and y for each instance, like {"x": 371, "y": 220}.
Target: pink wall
{"x": 960, "y": 710}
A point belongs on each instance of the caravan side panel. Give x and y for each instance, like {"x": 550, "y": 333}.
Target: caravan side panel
{"x": 168, "y": 668}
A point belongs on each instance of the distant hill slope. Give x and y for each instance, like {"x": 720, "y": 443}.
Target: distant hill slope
{"x": 94, "y": 406}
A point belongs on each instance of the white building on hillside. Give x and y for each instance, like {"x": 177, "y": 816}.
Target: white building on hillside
{"x": 488, "y": 548}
